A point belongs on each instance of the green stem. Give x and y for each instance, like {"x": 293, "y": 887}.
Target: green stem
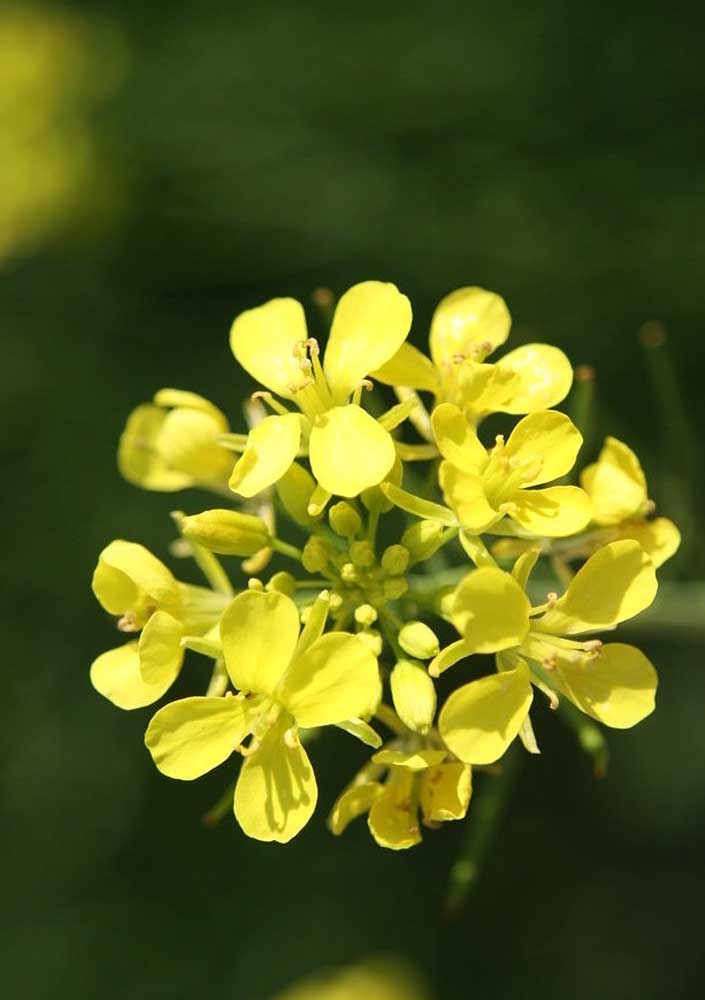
{"x": 372, "y": 524}
{"x": 285, "y": 549}
{"x": 589, "y": 736}
{"x": 486, "y": 811}
{"x": 390, "y": 719}
{"x": 221, "y": 807}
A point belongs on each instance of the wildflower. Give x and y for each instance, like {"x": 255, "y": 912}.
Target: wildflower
{"x": 483, "y": 487}
{"x": 614, "y": 683}
{"x": 132, "y": 583}
{"x": 617, "y": 488}
{"x": 172, "y": 443}
{"x": 348, "y": 449}
{"x": 467, "y": 326}
{"x": 286, "y": 681}
{"x": 413, "y": 771}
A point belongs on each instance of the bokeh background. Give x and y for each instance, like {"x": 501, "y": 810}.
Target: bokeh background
{"x": 165, "y": 165}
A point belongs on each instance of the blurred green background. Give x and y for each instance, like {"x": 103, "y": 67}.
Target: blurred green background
{"x": 165, "y": 165}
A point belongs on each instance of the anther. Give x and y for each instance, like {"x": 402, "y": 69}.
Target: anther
{"x": 291, "y": 737}
{"x": 551, "y": 599}
{"x": 128, "y": 623}
{"x": 550, "y": 662}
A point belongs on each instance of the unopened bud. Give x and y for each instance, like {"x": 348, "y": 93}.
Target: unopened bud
{"x": 423, "y": 539}
{"x": 282, "y": 583}
{"x": 395, "y": 587}
{"x": 365, "y": 614}
{"x": 395, "y": 560}
{"x": 414, "y": 695}
{"x": 374, "y": 499}
{"x": 362, "y": 554}
{"x": 316, "y": 553}
{"x": 344, "y": 519}
{"x": 227, "y": 532}
{"x": 418, "y": 640}
{"x": 348, "y": 573}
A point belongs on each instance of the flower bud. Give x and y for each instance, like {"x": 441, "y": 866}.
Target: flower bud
{"x": 227, "y": 532}
{"x": 316, "y": 553}
{"x": 414, "y": 695}
{"x": 362, "y": 554}
{"x": 395, "y": 560}
{"x": 282, "y": 583}
{"x": 294, "y": 489}
{"x": 344, "y": 519}
{"x": 418, "y": 640}
{"x": 395, "y": 587}
{"x": 365, "y": 614}
{"x": 423, "y": 539}
{"x": 372, "y": 639}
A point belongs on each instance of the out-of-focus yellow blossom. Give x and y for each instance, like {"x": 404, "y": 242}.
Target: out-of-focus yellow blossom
{"x": 614, "y": 683}
{"x": 172, "y": 443}
{"x": 133, "y": 584}
{"x": 467, "y": 326}
{"x": 285, "y": 681}
{"x": 348, "y": 449}
{"x": 617, "y": 488}
{"x": 483, "y": 487}
{"x": 370, "y": 980}
{"x": 54, "y": 66}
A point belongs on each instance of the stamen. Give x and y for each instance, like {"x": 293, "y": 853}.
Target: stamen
{"x": 291, "y": 737}
{"x": 550, "y": 662}
{"x": 551, "y": 599}
{"x": 271, "y": 402}
{"x": 357, "y": 394}
{"x": 128, "y": 623}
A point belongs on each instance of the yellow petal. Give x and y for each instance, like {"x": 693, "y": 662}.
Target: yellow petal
{"x": 546, "y": 435}
{"x": 410, "y": 368}
{"x": 271, "y": 448}
{"x": 426, "y": 509}
{"x": 445, "y": 792}
{"x": 484, "y": 388}
{"x": 467, "y": 318}
{"x": 465, "y": 494}
{"x": 615, "y": 482}
{"x": 480, "y": 720}
{"x": 335, "y": 679}
{"x": 187, "y": 442}
{"x": 354, "y": 801}
{"x": 617, "y": 687}
{"x": 371, "y": 322}
{"x": 414, "y": 760}
{"x": 192, "y": 736}
{"x": 616, "y": 583}
{"x": 116, "y": 675}
{"x": 129, "y": 578}
{"x": 259, "y": 632}
{"x": 160, "y": 650}
{"x": 139, "y": 459}
{"x": 490, "y": 610}
{"x": 457, "y": 440}
{"x": 521, "y": 570}
{"x": 544, "y": 375}
{"x": 349, "y": 451}
{"x": 414, "y": 696}
{"x": 392, "y": 821}
{"x": 659, "y": 538}
{"x": 553, "y": 512}
{"x": 276, "y": 792}
{"x": 181, "y": 398}
{"x": 264, "y": 340}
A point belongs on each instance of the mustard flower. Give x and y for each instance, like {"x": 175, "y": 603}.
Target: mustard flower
{"x": 287, "y": 681}
{"x": 133, "y": 584}
{"x": 348, "y": 449}
{"x": 613, "y": 683}
{"x": 467, "y": 326}
{"x": 172, "y": 443}
{"x": 617, "y": 488}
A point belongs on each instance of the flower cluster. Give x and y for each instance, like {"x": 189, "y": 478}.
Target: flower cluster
{"x": 489, "y": 548}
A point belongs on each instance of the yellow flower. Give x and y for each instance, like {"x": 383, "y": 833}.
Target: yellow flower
{"x": 617, "y": 488}
{"x": 484, "y": 487}
{"x": 171, "y": 444}
{"x": 613, "y": 683}
{"x": 467, "y": 326}
{"x": 349, "y": 450}
{"x": 395, "y": 785}
{"x": 286, "y": 681}
{"x": 132, "y": 583}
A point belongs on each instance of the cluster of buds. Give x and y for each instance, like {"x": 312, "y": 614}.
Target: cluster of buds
{"x": 353, "y": 634}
